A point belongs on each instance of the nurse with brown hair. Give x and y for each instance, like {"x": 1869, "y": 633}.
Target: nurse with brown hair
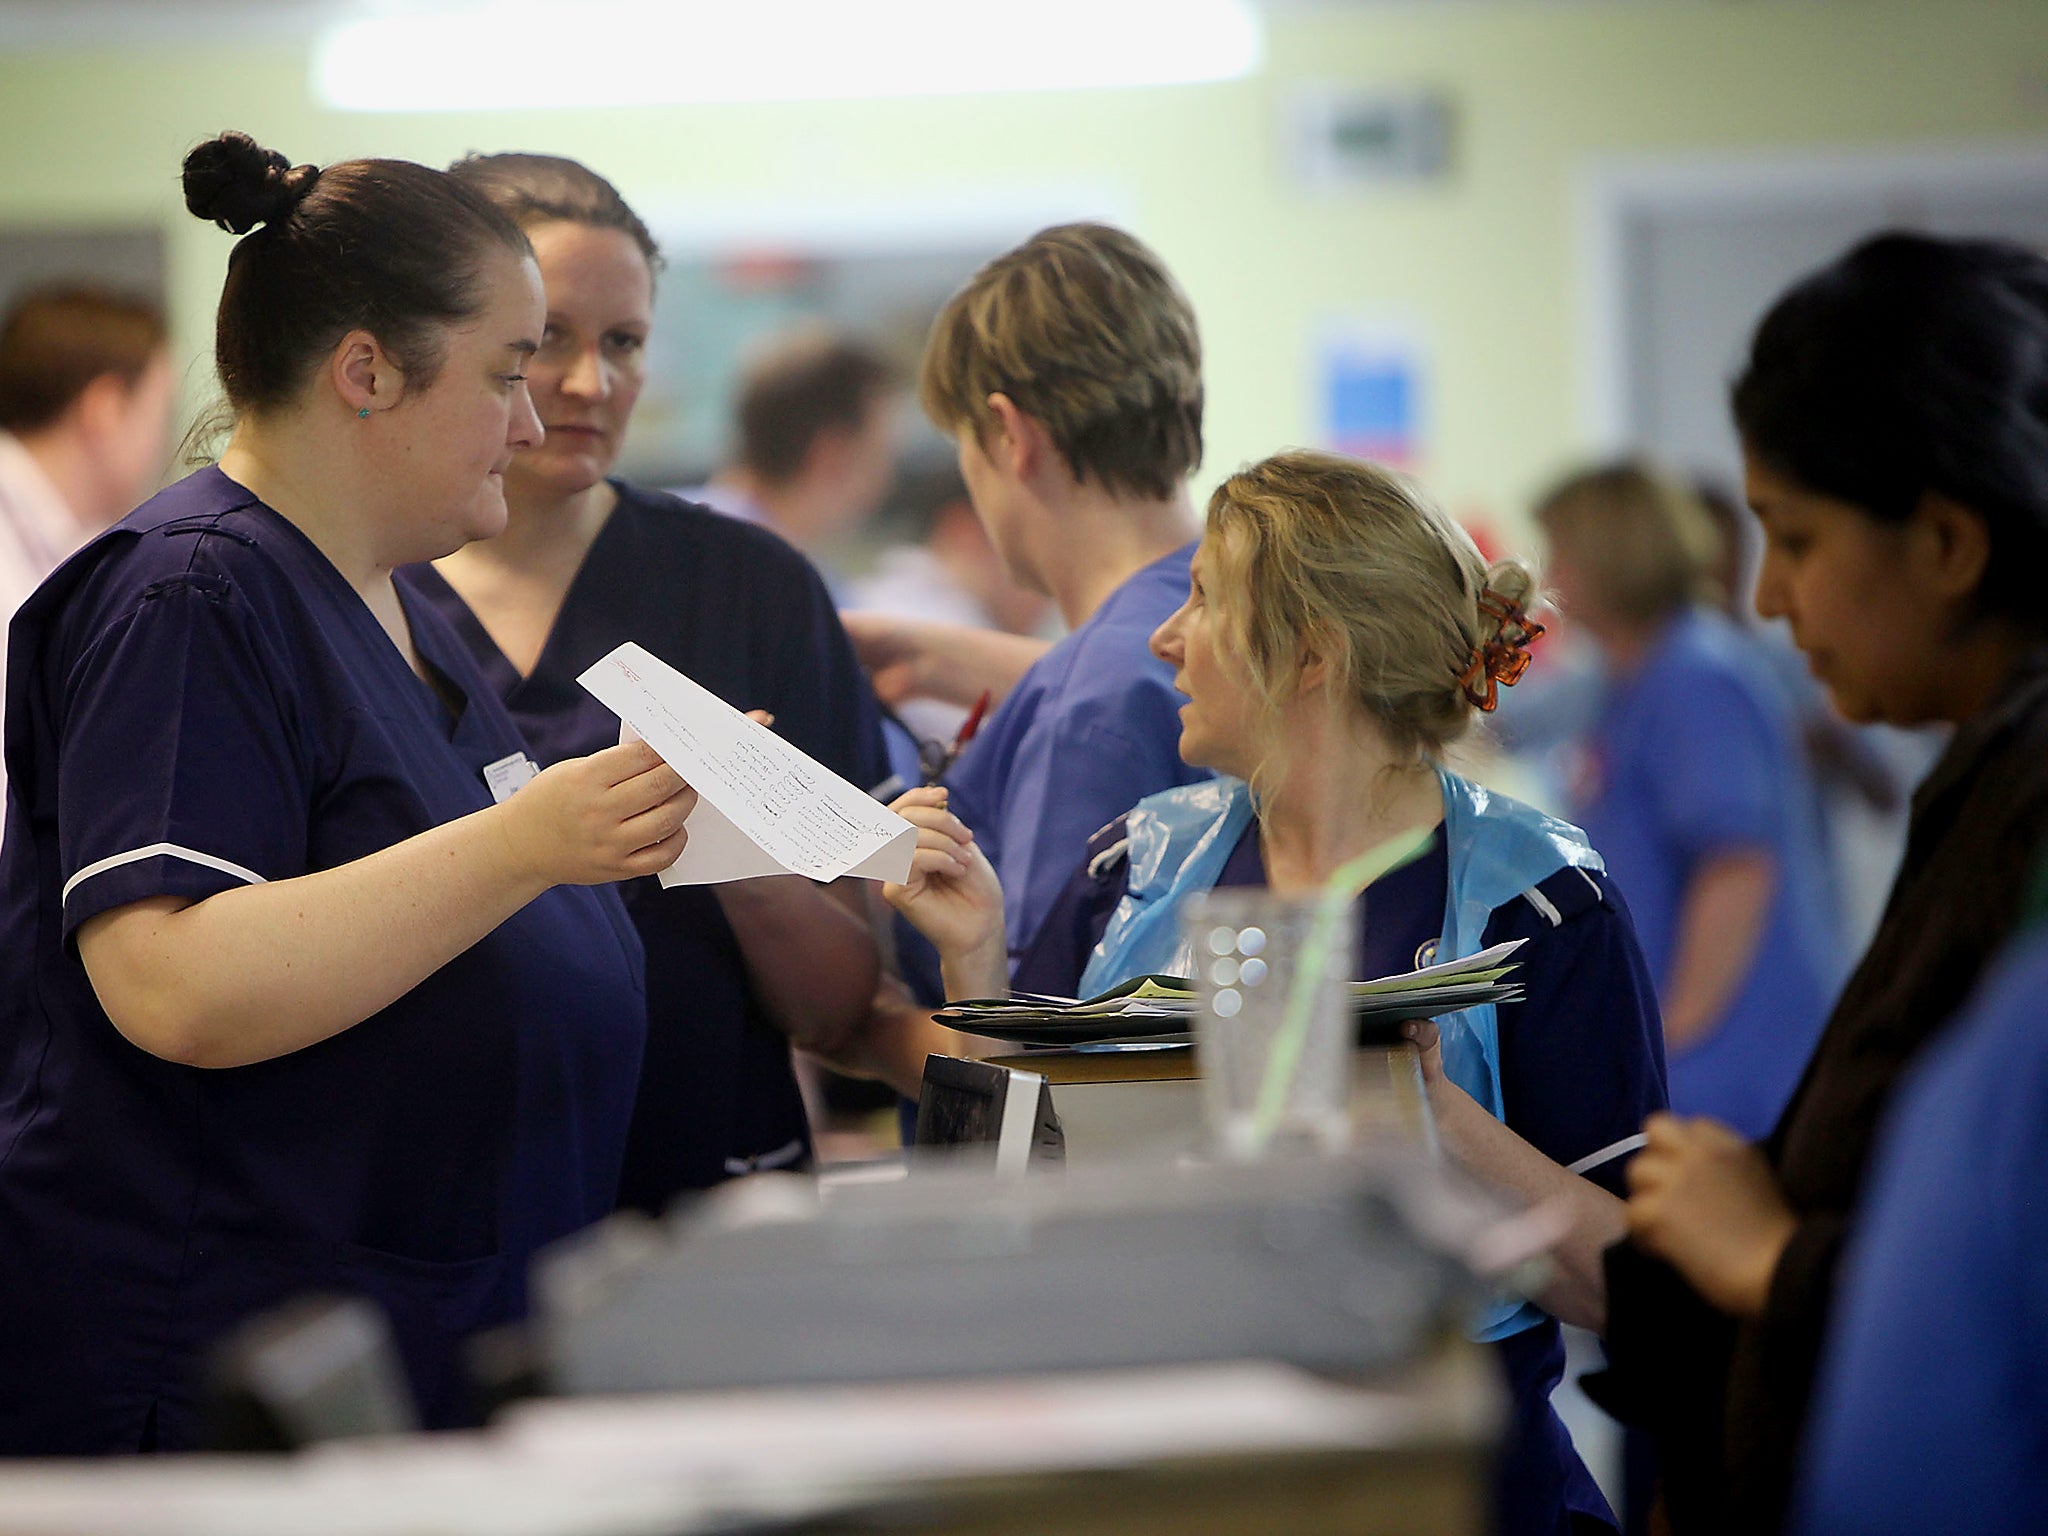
{"x": 588, "y": 561}
{"x": 293, "y": 1002}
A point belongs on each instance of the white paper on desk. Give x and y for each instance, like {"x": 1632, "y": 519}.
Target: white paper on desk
{"x": 763, "y": 807}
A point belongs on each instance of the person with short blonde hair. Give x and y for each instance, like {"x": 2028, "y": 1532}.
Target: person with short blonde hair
{"x": 1339, "y": 631}
{"x": 1084, "y": 329}
{"x": 1069, "y": 373}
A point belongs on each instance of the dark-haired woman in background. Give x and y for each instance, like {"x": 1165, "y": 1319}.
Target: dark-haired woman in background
{"x": 1894, "y": 420}
{"x": 291, "y": 1004}
{"x": 587, "y": 562}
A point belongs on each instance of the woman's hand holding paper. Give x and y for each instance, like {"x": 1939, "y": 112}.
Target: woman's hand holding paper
{"x": 609, "y": 816}
{"x": 953, "y": 897}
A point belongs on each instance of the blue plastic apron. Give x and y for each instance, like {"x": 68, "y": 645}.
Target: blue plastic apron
{"x": 1498, "y": 848}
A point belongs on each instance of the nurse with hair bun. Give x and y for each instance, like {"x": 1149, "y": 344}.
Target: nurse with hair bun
{"x": 305, "y": 990}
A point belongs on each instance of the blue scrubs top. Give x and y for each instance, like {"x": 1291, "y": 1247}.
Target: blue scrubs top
{"x": 1931, "y": 1412}
{"x": 1696, "y": 755}
{"x": 195, "y": 702}
{"x": 741, "y": 612}
{"x": 1090, "y": 730}
{"x": 1581, "y": 1065}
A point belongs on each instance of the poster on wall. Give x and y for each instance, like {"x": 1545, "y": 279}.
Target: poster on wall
{"x": 1368, "y": 389}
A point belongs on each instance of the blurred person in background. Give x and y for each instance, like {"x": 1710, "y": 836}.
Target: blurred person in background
{"x": 1692, "y": 782}
{"x": 934, "y": 662}
{"x": 587, "y": 562}
{"x": 85, "y": 406}
{"x": 1893, "y": 413}
{"x": 1687, "y": 769}
{"x": 950, "y": 575}
{"x": 816, "y": 428}
{"x": 1338, "y": 634}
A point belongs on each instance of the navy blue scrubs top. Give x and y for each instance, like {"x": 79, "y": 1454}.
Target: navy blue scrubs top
{"x": 745, "y": 615}
{"x": 195, "y": 702}
{"x": 1581, "y": 1065}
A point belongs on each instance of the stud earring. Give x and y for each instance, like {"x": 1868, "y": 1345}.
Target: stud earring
{"x": 363, "y": 414}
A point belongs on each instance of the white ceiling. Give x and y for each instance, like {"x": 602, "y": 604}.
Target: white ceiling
{"x": 49, "y": 23}
{"x": 58, "y": 23}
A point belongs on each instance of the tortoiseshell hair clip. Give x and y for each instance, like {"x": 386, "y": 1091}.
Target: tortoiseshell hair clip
{"x": 1500, "y": 661}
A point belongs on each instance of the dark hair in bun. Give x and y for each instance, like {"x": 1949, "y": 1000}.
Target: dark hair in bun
{"x": 384, "y": 246}
{"x": 239, "y": 184}
{"x": 1914, "y": 364}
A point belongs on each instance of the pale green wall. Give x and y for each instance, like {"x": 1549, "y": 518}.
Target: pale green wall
{"x": 1485, "y": 265}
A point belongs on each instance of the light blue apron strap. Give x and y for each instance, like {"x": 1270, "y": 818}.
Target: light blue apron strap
{"x": 1504, "y": 1319}
{"x": 1471, "y": 1046}
{"x": 1498, "y": 849}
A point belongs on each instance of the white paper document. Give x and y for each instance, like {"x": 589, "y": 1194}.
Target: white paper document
{"x": 763, "y": 807}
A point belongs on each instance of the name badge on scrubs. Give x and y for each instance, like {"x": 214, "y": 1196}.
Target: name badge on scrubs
{"x": 506, "y": 775}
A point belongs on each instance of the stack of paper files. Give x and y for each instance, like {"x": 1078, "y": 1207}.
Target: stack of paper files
{"x": 1160, "y": 1009}
{"x": 1439, "y": 989}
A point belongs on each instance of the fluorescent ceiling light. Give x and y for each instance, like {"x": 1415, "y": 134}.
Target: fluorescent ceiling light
{"x": 610, "y": 53}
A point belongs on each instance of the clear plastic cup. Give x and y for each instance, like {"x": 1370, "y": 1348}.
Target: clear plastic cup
{"x": 1271, "y": 1086}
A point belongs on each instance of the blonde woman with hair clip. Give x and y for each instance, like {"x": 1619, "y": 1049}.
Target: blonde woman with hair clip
{"x": 1340, "y": 632}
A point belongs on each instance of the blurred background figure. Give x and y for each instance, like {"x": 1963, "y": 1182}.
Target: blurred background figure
{"x": 945, "y": 571}
{"x": 1676, "y": 739}
{"x": 85, "y": 402}
{"x": 816, "y": 427}
{"x": 1691, "y": 778}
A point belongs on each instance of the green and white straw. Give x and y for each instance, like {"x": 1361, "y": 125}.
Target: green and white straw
{"x": 1317, "y": 951}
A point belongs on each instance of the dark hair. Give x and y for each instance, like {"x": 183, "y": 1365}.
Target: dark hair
{"x": 808, "y": 382}
{"x": 57, "y": 340}
{"x": 542, "y": 189}
{"x": 1915, "y": 364}
{"x": 1087, "y": 332}
{"x": 384, "y": 246}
